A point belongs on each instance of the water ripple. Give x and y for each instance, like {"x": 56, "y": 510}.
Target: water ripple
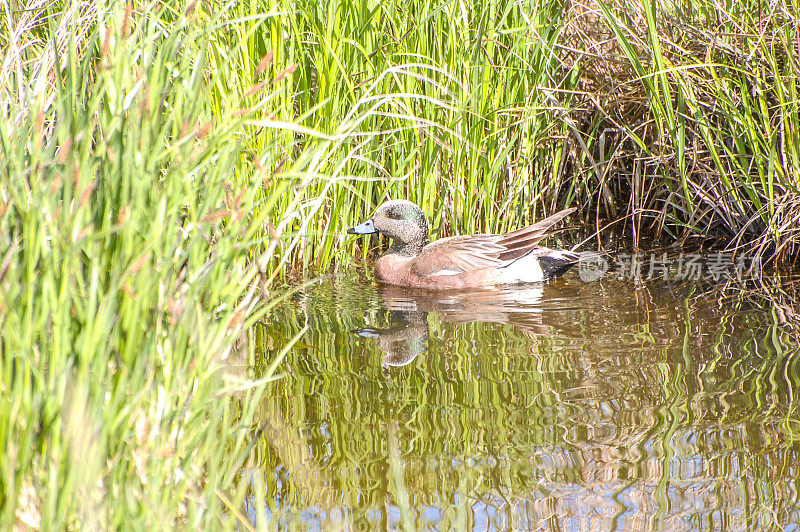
{"x": 563, "y": 406}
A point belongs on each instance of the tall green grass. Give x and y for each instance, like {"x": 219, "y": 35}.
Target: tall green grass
{"x": 674, "y": 121}
{"x": 126, "y": 268}
{"x": 422, "y": 101}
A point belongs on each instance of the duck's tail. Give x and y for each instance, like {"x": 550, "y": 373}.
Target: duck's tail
{"x": 557, "y": 262}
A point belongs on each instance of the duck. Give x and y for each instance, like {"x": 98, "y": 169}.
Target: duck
{"x": 461, "y": 262}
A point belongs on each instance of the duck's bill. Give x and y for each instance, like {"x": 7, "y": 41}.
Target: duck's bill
{"x": 367, "y": 228}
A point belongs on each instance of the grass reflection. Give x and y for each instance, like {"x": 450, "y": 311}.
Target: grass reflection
{"x": 595, "y": 405}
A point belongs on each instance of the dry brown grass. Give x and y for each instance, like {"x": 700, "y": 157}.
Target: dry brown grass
{"x": 691, "y": 122}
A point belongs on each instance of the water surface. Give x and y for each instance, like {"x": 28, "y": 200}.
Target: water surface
{"x": 566, "y": 406}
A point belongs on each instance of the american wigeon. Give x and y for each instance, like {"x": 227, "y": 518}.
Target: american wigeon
{"x": 467, "y": 261}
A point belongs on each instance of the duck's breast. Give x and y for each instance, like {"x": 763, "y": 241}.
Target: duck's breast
{"x": 393, "y": 269}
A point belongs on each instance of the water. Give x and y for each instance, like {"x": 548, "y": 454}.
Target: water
{"x": 569, "y": 406}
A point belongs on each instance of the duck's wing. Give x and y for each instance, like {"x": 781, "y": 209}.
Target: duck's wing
{"x": 459, "y": 254}
{"x": 520, "y": 242}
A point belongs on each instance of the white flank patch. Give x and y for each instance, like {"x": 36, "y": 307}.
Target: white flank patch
{"x": 524, "y": 270}
{"x": 445, "y": 272}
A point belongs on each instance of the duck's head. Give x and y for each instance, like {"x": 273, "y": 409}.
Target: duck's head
{"x": 400, "y": 220}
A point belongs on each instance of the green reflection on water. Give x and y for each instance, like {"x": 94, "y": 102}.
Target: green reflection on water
{"x": 563, "y": 406}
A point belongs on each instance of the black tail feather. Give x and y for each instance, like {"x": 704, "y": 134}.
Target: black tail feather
{"x": 553, "y": 267}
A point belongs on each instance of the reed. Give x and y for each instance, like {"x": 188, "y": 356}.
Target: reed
{"x": 126, "y": 275}
{"x": 675, "y": 122}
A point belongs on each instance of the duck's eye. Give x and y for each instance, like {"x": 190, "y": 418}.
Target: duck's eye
{"x": 394, "y": 215}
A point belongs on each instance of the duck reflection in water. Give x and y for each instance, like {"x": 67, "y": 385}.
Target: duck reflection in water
{"x": 407, "y": 335}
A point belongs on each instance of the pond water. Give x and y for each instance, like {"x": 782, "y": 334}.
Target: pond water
{"x": 567, "y": 406}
